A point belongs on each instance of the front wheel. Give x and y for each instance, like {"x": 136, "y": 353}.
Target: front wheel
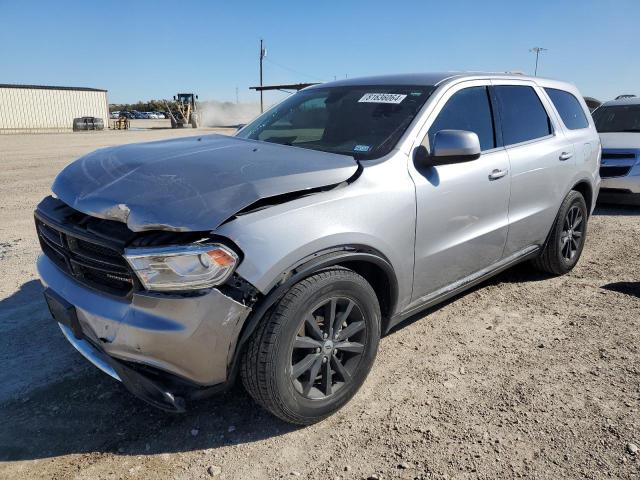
{"x": 567, "y": 237}
{"x": 314, "y": 351}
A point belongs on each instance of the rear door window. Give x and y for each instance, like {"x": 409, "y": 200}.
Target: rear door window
{"x": 468, "y": 109}
{"x": 569, "y": 108}
{"x": 522, "y": 115}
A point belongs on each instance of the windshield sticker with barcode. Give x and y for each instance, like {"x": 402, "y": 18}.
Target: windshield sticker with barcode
{"x": 361, "y": 148}
{"x": 382, "y": 98}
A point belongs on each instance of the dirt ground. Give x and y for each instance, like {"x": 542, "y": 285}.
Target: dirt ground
{"x": 524, "y": 377}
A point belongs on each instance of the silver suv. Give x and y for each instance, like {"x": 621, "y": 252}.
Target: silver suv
{"x": 618, "y": 123}
{"x": 283, "y": 253}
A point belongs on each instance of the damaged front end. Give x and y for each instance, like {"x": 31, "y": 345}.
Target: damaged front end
{"x": 193, "y": 184}
{"x": 166, "y": 347}
{"x": 132, "y": 271}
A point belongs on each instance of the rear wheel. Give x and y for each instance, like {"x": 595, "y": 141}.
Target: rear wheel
{"x": 316, "y": 348}
{"x": 566, "y": 241}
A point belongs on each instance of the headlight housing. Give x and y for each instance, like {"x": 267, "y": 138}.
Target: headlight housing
{"x": 182, "y": 267}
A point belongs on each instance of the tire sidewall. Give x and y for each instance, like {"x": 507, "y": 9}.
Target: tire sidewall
{"x": 290, "y": 398}
{"x": 574, "y": 199}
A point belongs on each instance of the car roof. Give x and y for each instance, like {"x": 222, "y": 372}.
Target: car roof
{"x": 434, "y": 79}
{"x": 622, "y": 101}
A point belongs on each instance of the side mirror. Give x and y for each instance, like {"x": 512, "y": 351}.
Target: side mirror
{"x": 240, "y": 126}
{"x": 449, "y": 146}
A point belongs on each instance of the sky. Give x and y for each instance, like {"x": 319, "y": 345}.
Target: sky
{"x": 143, "y": 49}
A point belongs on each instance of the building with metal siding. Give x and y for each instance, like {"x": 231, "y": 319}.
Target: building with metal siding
{"x": 37, "y": 109}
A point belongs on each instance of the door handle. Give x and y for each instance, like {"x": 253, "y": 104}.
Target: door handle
{"x": 565, "y": 156}
{"x": 496, "y": 174}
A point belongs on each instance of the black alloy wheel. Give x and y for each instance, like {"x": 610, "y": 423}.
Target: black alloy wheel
{"x": 572, "y": 233}
{"x": 328, "y": 348}
{"x": 314, "y": 350}
{"x": 566, "y": 240}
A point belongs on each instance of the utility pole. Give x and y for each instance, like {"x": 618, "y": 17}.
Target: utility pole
{"x": 537, "y": 51}
{"x": 237, "y": 95}
{"x": 263, "y": 53}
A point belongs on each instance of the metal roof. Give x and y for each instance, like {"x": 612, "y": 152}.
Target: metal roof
{"x": 426, "y": 79}
{"x": 50, "y": 87}
{"x": 442, "y": 78}
{"x": 623, "y": 101}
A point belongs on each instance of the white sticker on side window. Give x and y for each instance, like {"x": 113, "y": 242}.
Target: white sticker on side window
{"x": 382, "y": 98}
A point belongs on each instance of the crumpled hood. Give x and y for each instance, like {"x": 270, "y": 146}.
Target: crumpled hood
{"x": 630, "y": 140}
{"x": 193, "y": 183}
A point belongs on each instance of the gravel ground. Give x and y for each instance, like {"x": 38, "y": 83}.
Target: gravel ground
{"x": 523, "y": 377}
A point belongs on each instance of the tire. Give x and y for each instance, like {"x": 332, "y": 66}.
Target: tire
{"x": 277, "y": 349}
{"x": 566, "y": 240}
{"x": 194, "y": 120}
{"x": 174, "y": 124}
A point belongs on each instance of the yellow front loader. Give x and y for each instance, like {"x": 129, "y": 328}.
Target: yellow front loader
{"x": 183, "y": 110}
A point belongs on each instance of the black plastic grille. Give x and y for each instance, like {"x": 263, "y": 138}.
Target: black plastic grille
{"x": 618, "y": 156}
{"x": 51, "y": 235}
{"x": 90, "y": 262}
{"x": 606, "y": 172}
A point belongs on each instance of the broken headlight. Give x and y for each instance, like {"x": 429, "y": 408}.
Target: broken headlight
{"x": 184, "y": 267}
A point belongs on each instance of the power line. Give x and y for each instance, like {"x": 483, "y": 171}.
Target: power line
{"x": 293, "y": 70}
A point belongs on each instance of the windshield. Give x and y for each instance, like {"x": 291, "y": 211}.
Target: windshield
{"x": 617, "y": 118}
{"x": 364, "y": 122}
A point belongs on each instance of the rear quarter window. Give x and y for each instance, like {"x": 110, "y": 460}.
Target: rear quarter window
{"x": 569, "y": 108}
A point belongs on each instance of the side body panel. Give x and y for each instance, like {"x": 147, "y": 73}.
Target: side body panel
{"x": 588, "y": 151}
{"x": 376, "y": 210}
{"x": 541, "y": 170}
{"x": 462, "y": 222}
{"x": 464, "y": 218}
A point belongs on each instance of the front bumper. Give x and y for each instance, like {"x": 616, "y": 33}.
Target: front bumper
{"x": 629, "y": 164}
{"x": 618, "y": 196}
{"x": 624, "y": 190}
{"x": 192, "y": 337}
{"x": 629, "y": 183}
{"x": 156, "y": 392}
